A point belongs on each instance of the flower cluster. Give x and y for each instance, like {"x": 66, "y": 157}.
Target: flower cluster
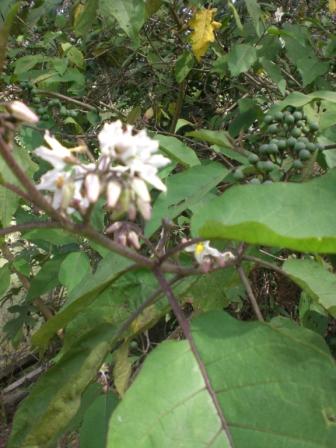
{"x": 209, "y": 257}
{"x": 127, "y": 164}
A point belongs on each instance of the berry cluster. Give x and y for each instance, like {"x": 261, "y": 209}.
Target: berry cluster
{"x": 287, "y": 141}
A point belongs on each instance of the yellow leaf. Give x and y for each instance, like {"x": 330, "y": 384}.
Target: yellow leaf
{"x": 142, "y": 322}
{"x": 332, "y": 6}
{"x": 122, "y": 369}
{"x": 203, "y": 27}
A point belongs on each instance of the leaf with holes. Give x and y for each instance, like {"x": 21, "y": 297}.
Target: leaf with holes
{"x": 261, "y": 385}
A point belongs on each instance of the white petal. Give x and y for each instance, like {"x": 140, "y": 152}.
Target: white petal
{"x": 20, "y": 111}
{"x": 158, "y": 161}
{"x": 92, "y": 186}
{"x": 113, "y": 193}
{"x": 144, "y": 208}
{"x": 140, "y": 188}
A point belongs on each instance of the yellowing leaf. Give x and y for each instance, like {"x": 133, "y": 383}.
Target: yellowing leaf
{"x": 332, "y": 6}
{"x": 122, "y": 369}
{"x": 203, "y": 27}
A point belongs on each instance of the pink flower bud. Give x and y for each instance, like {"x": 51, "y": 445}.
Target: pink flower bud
{"x": 21, "y": 112}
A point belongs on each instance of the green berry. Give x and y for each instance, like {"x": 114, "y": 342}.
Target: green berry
{"x": 253, "y": 158}
{"x": 313, "y": 127}
{"x": 268, "y": 119}
{"x": 319, "y": 147}
{"x": 300, "y": 124}
{"x": 260, "y": 165}
{"x": 299, "y": 146}
{"x": 297, "y": 115}
{"x": 289, "y": 119}
{"x": 273, "y": 148}
{"x": 311, "y": 146}
{"x": 268, "y": 165}
{"x": 291, "y": 141}
{"x": 45, "y": 117}
{"x": 238, "y": 174}
{"x": 297, "y": 164}
{"x": 282, "y": 144}
{"x": 272, "y": 129}
{"x": 304, "y": 154}
{"x": 304, "y": 140}
{"x": 255, "y": 181}
{"x": 36, "y": 100}
{"x": 296, "y": 132}
{"x": 263, "y": 149}
{"x": 279, "y": 116}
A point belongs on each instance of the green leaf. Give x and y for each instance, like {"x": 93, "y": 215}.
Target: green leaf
{"x": 296, "y": 216}
{"x": 46, "y": 279}
{"x": 26, "y": 63}
{"x": 5, "y": 29}
{"x": 86, "y": 18}
{"x": 184, "y": 64}
{"x": 176, "y": 150}
{"x": 220, "y": 138}
{"x": 152, "y": 6}
{"x": 94, "y": 428}
{"x": 122, "y": 369}
{"x": 311, "y": 68}
{"x": 241, "y": 58}
{"x": 9, "y": 200}
{"x": 56, "y": 237}
{"x": 56, "y": 397}
{"x": 130, "y": 14}
{"x": 274, "y": 73}
{"x": 315, "y": 280}
{"x": 74, "y": 268}
{"x": 298, "y": 99}
{"x": 4, "y": 279}
{"x": 110, "y": 268}
{"x": 255, "y": 13}
{"x": 275, "y": 384}
{"x": 74, "y": 55}
{"x": 184, "y": 190}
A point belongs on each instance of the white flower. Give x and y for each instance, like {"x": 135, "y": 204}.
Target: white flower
{"x": 278, "y": 14}
{"x": 21, "y": 112}
{"x": 57, "y": 155}
{"x": 202, "y": 250}
{"x": 204, "y": 253}
{"x": 133, "y": 151}
{"x": 113, "y": 192}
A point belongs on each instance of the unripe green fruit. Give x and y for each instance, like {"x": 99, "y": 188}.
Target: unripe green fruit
{"x": 41, "y": 110}
{"x": 272, "y": 129}
{"x": 36, "y": 100}
{"x": 253, "y": 158}
{"x": 297, "y": 164}
{"x": 296, "y": 132}
{"x": 313, "y": 127}
{"x": 300, "y": 124}
{"x": 279, "y": 116}
{"x": 304, "y": 140}
{"x": 289, "y": 119}
{"x": 311, "y": 146}
{"x": 291, "y": 141}
{"x": 45, "y": 117}
{"x": 273, "y": 148}
{"x": 255, "y": 181}
{"x": 263, "y": 149}
{"x": 268, "y": 165}
{"x": 304, "y": 154}
{"x": 306, "y": 129}
{"x": 319, "y": 146}
{"x": 238, "y": 174}
{"x": 297, "y": 115}
{"x": 299, "y": 146}
{"x": 282, "y": 144}
{"x": 268, "y": 119}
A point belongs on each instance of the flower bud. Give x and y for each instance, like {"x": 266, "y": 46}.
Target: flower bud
{"x": 21, "y": 112}
{"x": 92, "y": 187}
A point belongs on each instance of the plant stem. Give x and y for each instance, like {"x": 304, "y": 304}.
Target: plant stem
{"x": 185, "y": 326}
{"x": 250, "y": 294}
{"x": 29, "y": 226}
{"x": 265, "y": 264}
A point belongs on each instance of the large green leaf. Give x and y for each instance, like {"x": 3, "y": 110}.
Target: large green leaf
{"x": 8, "y": 13}
{"x": 81, "y": 296}
{"x": 184, "y": 190}
{"x": 9, "y": 201}
{"x": 255, "y": 14}
{"x": 275, "y": 384}
{"x": 84, "y": 21}
{"x": 130, "y": 14}
{"x": 177, "y": 150}
{"x": 220, "y": 138}
{"x": 297, "y": 216}
{"x": 298, "y": 99}
{"x": 241, "y": 58}
{"x": 46, "y": 279}
{"x": 314, "y": 278}
{"x": 73, "y": 270}
{"x": 55, "y": 399}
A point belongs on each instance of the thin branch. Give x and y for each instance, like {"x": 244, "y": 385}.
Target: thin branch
{"x": 250, "y": 294}
{"x": 185, "y": 326}
{"x": 68, "y": 99}
{"x": 29, "y": 226}
{"x": 265, "y": 264}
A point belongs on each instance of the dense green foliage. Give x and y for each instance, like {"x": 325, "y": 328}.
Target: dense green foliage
{"x": 108, "y": 271}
